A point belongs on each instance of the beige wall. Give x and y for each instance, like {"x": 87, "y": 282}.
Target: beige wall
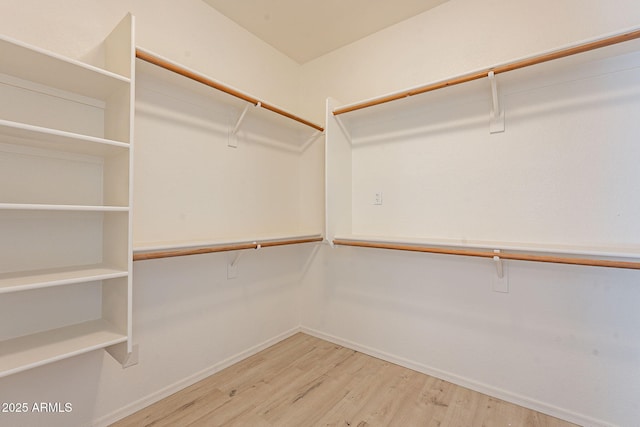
{"x": 186, "y": 31}
{"x": 456, "y": 37}
{"x": 558, "y": 328}
{"x": 189, "y": 320}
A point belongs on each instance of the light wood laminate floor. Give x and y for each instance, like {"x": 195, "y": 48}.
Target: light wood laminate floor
{"x": 304, "y": 381}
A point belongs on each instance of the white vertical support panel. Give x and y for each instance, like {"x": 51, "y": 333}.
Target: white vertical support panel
{"x": 119, "y": 118}
{"x": 120, "y": 59}
{"x": 116, "y": 293}
{"x": 116, "y": 177}
{"x": 311, "y": 186}
{"x": 118, "y": 48}
{"x": 338, "y": 176}
{"x": 115, "y": 247}
{"x": 132, "y": 92}
{"x": 114, "y": 307}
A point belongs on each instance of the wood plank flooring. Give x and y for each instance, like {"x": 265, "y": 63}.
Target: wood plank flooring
{"x": 305, "y": 381}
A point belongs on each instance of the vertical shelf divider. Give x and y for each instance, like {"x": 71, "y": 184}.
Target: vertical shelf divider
{"x": 338, "y": 172}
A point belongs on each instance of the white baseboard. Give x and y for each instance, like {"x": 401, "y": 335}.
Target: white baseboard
{"x": 464, "y": 382}
{"x": 419, "y": 367}
{"x": 171, "y": 389}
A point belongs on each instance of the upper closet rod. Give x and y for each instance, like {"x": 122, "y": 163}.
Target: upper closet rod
{"x": 168, "y": 65}
{"x": 585, "y": 47}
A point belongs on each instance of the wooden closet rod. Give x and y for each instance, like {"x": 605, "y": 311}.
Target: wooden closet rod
{"x": 168, "y": 65}
{"x": 141, "y": 256}
{"x": 490, "y": 254}
{"x": 585, "y": 47}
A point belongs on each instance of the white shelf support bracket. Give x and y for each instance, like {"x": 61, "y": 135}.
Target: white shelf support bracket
{"x": 120, "y": 353}
{"x": 500, "y": 282}
{"x": 233, "y": 135}
{"x": 496, "y": 123}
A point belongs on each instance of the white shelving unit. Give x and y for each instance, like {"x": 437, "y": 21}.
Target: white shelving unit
{"x": 431, "y": 170}
{"x": 65, "y": 209}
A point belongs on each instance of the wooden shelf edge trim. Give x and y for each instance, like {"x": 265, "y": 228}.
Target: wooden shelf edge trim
{"x": 538, "y": 59}
{"x": 634, "y": 265}
{"x": 170, "y": 66}
{"x": 142, "y": 256}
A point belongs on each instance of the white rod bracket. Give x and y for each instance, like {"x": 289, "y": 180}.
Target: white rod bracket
{"x": 498, "y": 261}
{"x": 233, "y": 134}
{"x": 500, "y": 282}
{"x": 240, "y": 119}
{"x": 343, "y": 128}
{"x": 232, "y": 261}
{"x": 310, "y": 141}
{"x": 232, "y": 264}
{"x": 496, "y": 123}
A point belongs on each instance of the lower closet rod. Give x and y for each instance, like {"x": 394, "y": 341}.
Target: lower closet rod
{"x": 141, "y": 256}
{"x": 490, "y": 254}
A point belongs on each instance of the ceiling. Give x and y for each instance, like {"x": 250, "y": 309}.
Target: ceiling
{"x": 307, "y": 29}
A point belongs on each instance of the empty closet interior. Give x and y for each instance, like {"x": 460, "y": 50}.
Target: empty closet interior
{"x": 481, "y": 228}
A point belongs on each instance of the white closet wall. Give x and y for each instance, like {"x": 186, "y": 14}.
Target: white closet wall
{"x": 217, "y": 168}
{"x": 442, "y": 175}
{"x": 456, "y": 37}
{"x": 191, "y": 33}
{"x": 560, "y": 328}
{"x": 189, "y": 319}
{"x": 558, "y": 178}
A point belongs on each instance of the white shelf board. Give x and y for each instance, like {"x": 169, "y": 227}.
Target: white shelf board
{"x": 188, "y": 244}
{"x": 557, "y": 249}
{"x": 22, "y": 353}
{"x": 70, "y": 208}
{"x": 27, "y": 280}
{"x": 47, "y": 68}
{"x": 40, "y": 137}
